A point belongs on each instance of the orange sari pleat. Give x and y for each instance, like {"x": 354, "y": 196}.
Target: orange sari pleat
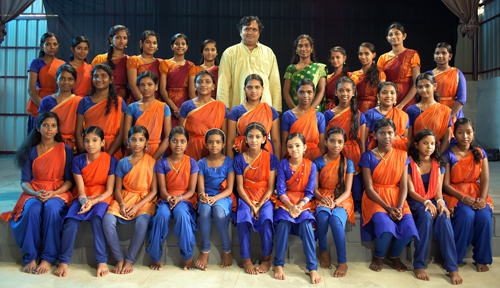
{"x": 386, "y": 177}
{"x": 110, "y": 123}
{"x": 416, "y": 178}
{"x": 351, "y": 149}
{"x": 308, "y": 126}
{"x": 295, "y": 190}
{"x": 47, "y": 77}
{"x": 435, "y": 118}
{"x": 463, "y": 177}
{"x": 136, "y": 186}
{"x": 48, "y": 175}
{"x": 400, "y": 119}
{"x": 261, "y": 114}
{"x": 367, "y": 94}
{"x": 95, "y": 177}
{"x": 178, "y": 184}
{"x": 447, "y": 85}
{"x": 83, "y": 83}
{"x": 152, "y": 119}
{"x": 328, "y": 179}
{"x": 255, "y": 181}
{"x": 66, "y": 111}
{"x": 396, "y": 69}
{"x": 198, "y": 122}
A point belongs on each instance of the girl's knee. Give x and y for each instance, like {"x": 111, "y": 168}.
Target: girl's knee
{"x": 218, "y": 212}
{"x": 204, "y": 210}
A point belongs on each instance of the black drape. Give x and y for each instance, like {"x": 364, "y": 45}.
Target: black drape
{"x": 330, "y": 22}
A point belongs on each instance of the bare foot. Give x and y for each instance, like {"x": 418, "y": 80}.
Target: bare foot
{"x": 203, "y": 260}
{"x": 376, "y": 264}
{"x": 189, "y": 264}
{"x": 341, "y": 270}
{"x": 249, "y": 267}
{"x": 398, "y": 265}
{"x": 324, "y": 260}
{"x": 315, "y": 278}
{"x": 102, "y": 270}
{"x": 227, "y": 259}
{"x": 279, "y": 274}
{"x": 62, "y": 270}
{"x": 43, "y": 268}
{"x": 30, "y": 267}
{"x": 156, "y": 265}
{"x": 265, "y": 265}
{"x": 127, "y": 268}
{"x": 118, "y": 267}
{"x": 421, "y": 274}
{"x": 455, "y": 278}
{"x": 481, "y": 267}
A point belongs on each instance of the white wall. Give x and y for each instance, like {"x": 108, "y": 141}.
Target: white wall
{"x": 487, "y": 112}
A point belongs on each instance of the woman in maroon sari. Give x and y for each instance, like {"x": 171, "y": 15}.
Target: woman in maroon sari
{"x": 401, "y": 66}
{"x": 338, "y": 58}
{"x": 174, "y": 76}
{"x": 208, "y": 62}
{"x": 116, "y": 58}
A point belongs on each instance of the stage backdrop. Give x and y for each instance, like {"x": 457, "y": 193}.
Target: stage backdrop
{"x": 330, "y": 22}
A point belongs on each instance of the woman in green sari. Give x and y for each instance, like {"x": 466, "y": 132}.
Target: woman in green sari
{"x": 304, "y": 65}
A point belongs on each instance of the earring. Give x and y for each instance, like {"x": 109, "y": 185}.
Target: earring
{"x": 344, "y": 62}
{"x": 139, "y": 47}
{"x": 128, "y": 145}
{"x": 125, "y": 46}
{"x": 111, "y": 44}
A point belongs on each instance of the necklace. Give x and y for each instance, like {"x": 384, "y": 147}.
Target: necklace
{"x": 462, "y": 153}
{"x": 385, "y": 160}
{"x": 173, "y": 168}
{"x": 250, "y": 166}
{"x": 291, "y": 169}
{"x": 213, "y": 166}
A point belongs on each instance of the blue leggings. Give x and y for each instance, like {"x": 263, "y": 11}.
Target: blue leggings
{"x": 109, "y": 227}
{"x": 39, "y": 228}
{"x": 266, "y": 236}
{"x": 336, "y": 220}
{"x": 70, "y": 229}
{"x": 221, "y": 221}
{"x": 397, "y": 247}
{"x": 473, "y": 227}
{"x": 306, "y": 233}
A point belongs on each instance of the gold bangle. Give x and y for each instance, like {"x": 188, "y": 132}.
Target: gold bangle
{"x": 463, "y": 197}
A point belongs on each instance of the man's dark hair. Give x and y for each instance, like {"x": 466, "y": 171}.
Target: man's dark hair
{"x": 245, "y": 21}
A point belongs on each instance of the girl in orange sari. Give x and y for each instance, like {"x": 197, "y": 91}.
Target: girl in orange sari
{"x": 208, "y": 62}
{"x": 466, "y": 185}
{"x": 338, "y": 60}
{"x": 177, "y": 177}
{"x": 94, "y": 174}
{"x": 201, "y": 114}
{"x": 150, "y": 113}
{"x": 116, "y": 59}
{"x": 346, "y": 116}
{"x": 135, "y": 193}
{"x": 174, "y": 76}
{"x": 369, "y": 77}
{"x": 136, "y": 65}
{"x": 386, "y": 215}
{"x": 387, "y": 94}
{"x": 305, "y": 120}
{"x": 80, "y": 49}
{"x": 64, "y": 103}
{"x": 400, "y": 65}
{"x": 41, "y": 76}
{"x": 103, "y": 108}
{"x": 295, "y": 208}
{"x": 253, "y": 111}
{"x": 334, "y": 204}
{"x": 46, "y": 181}
{"x": 428, "y": 113}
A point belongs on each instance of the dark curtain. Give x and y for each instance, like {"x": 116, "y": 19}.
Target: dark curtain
{"x": 466, "y": 10}
{"x": 9, "y": 10}
{"x": 330, "y": 22}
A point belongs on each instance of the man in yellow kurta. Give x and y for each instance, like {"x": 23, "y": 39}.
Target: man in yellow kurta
{"x": 245, "y": 58}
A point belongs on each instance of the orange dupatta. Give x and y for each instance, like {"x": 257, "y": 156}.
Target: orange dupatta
{"x": 152, "y": 119}
{"x": 47, "y": 78}
{"x": 463, "y": 177}
{"x": 136, "y": 186}
{"x": 198, "y": 122}
{"x": 386, "y": 177}
{"x": 262, "y": 114}
{"x": 447, "y": 85}
{"x": 296, "y": 187}
{"x": 95, "y": 177}
{"x": 435, "y": 118}
{"x": 308, "y": 126}
{"x": 83, "y": 83}
{"x": 416, "y": 178}
{"x": 255, "y": 180}
{"x": 328, "y": 179}
{"x": 178, "y": 183}
{"x": 400, "y": 119}
{"x": 351, "y": 149}
{"x": 66, "y": 111}
{"x": 48, "y": 175}
{"x": 110, "y": 123}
